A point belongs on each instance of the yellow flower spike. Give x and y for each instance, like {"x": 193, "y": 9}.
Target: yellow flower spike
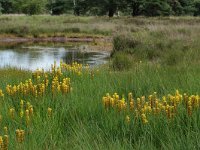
{"x": 104, "y": 100}
{"x": 12, "y": 113}
{"x": 27, "y": 120}
{"x": 49, "y": 111}
{"x": 31, "y": 110}
{"x": 142, "y": 99}
{"x": 1, "y": 118}
{"x": 6, "y": 141}
{"x": 138, "y": 103}
{"x": 27, "y": 112}
{"x": 130, "y": 96}
{"x": 1, "y": 93}
{"x": 112, "y": 102}
{"x": 142, "y": 110}
{"x": 117, "y": 97}
{"x": 132, "y": 105}
{"x": 177, "y": 93}
{"x": 5, "y": 130}
{"x": 127, "y": 119}
{"x": 28, "y": 105}
{"x": 21, "y": 104}
{"x": 189, "y": 109}
{"x": 168, "y": 111}
{"x": 107, "y": 94}
{"x": 1, "y": 143}
{"x": 21, "y": 114}
{"x": 149, "y": 109}
{"x": 18, "y": 135}
{"x": 22, "y": 135}
{"x": 144, "y": 119}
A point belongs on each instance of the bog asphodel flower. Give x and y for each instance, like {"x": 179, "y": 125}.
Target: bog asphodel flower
{"x": 1, "y": 142}
{"x": 6, "y": 141}
{"x": 20, "y": 135}
{"x": 5, "y": 130}
{"x": 144, "y": 119}
{"x": 1, "y": 93}
{"x": 12, "y": 113}
{"x": 49, "y": 111}
{"x": 127, "y": 119}
{"x": 27, "y": 117}
{"x": 167, "y": 106}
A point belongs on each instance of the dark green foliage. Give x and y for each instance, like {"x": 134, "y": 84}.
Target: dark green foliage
{"x": 57, "y": 7}
{"x": 34, "y": 7}
{"x": 156, "y": 8}
{"x": 176, "y": 7}
{"x": 0, "y": 8}
{"x": 135, "y": 6}
{"x": 197, "y": 8}
{"x": 188, "y": 6}
{"x": 6, "y": 6}
{"x": 124, "y": 43}
{"x": 30, "y": 7}
{"x": 121, "y": 61}
{"x": 108, "y": 7}
{"x": 102, "y": 7}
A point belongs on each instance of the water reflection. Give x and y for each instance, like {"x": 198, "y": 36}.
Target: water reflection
{"x": 31, "y": 58}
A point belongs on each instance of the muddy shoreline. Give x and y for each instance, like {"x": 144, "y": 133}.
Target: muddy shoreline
{"x": 54, "y": 39}
{"x": 97, "y": 43}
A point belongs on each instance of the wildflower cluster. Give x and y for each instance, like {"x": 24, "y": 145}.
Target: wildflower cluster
{"x": 64, "y": 86}
{"x": 27, "y": 88}
{"x": 74, "y": 67}
{"x": 42, "y": 82}
{"x": 20, "y": 135}
{"x": 1, "y": 93}
{"x": 4, "y": 142}
{"x": 143, "y": 107}
{"x": 23, "y": 113}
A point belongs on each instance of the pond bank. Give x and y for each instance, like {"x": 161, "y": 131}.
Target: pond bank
{"x": 94, "y": 43}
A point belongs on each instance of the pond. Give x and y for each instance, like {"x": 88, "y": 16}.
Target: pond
{"x": 34, "y": 56}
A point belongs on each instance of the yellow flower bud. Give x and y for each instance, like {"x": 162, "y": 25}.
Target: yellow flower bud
{"x": 49, "y": 111}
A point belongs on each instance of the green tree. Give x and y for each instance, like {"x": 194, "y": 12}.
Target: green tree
{"x": 30, "y": 7}
{"x": 6, "y": 6}
{"x": 33, "y": 7}
{"x": 197, "y": 8}
{"x": 188, "y": 7}
{"x": 177, "y": 9}
{"x": 135, "y": 7}
{"x": 110, "y": 7}
{"x": 156, "y": 8}
{"x": 57, "y": 7}
{"x": 0, "y": 8}
{"x": 81, "y": 6}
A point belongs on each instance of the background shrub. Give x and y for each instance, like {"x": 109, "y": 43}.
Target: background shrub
{"x": 121, "y": 61}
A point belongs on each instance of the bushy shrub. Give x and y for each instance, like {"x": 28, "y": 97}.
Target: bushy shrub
{"x": 124, "y": 42}
{"x": 72, "y": 30}
{"x": 121, "y": 61}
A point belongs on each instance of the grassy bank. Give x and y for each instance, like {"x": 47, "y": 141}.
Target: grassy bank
{"x": 71, "y": 26}
{"x": 53, "y": 26}
{"x": 78, "y": 119}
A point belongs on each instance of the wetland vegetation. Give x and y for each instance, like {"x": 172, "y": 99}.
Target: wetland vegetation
{"x": 145, "y": 97}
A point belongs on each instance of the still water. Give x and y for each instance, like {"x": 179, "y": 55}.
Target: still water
{"x": 34, "y": 57}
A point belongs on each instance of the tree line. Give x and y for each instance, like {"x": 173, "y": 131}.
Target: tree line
{"x": 102, "y": 7}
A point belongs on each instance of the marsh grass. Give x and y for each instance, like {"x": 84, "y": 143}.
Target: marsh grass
{"x": 166, "y": 58}
{"x": 80, "y": 121}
